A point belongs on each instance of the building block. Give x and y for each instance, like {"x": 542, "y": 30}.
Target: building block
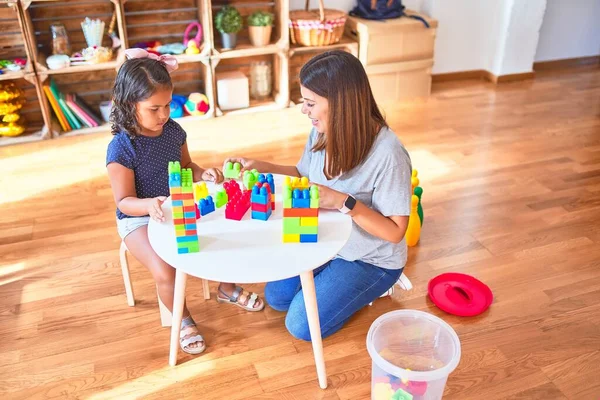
{"x": 296, "y": 183}
{"x": 260, "y": 207}
{"x": 306, "y": 238}
{"x": 268, "y": 178}
{"x": 301, "y": 198}
{"x": 309, "y": 221}
{"x": 231, "y": 187}
{"x": 261, "y": 194}
{"x": 200, "y": 191}
{"x": 206, "y": 205}
{"x": 263, "y": 216}
{"x": 181, "y": 188}
{"x": 221, "y": 198}
{"x": 232, "y": 170}
{"x": 291, "y": 238}
{"x": 300, "y": 211}
{"x": 238, "y": 205}
{"x": 250, "y": 178}
{"x": 261, "y": 201}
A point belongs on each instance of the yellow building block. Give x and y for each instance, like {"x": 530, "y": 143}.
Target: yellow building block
{"x": 188, "y": 202}
{"x": 200, "y": 191}
{"x": 291, "y": 238}
{"x": 175, "y": 190}
{"x": 309, "y": 221}
{"x": 179, "y": 232}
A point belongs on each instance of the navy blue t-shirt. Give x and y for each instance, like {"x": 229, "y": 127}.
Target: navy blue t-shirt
{"x": 149, "y": 158}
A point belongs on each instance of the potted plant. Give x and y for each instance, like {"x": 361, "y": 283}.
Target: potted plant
{"x": 228, "y": 21}
{"x": 260, "y": 24}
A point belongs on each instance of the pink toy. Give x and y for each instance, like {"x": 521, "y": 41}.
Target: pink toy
{"x": 239, "y": 203}
{"x": 188, "y": 30}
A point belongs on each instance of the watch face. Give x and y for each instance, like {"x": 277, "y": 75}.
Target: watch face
{"x": 350, "y": 202}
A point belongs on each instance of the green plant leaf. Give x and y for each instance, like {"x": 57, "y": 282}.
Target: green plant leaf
{"x": 228, "y": 20}
{"x": 261, "y": 18}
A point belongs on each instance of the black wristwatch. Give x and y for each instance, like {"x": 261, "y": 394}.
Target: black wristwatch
{"x": 348, "y": 204}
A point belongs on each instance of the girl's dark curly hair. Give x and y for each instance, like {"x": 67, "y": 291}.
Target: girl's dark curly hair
{"x": 137, "y": 80}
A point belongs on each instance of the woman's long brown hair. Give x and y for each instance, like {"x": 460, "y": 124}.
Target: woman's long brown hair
{"x": 354, "y": 118}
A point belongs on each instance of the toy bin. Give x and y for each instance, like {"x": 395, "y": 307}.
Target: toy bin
{"x": 413, "y": 353}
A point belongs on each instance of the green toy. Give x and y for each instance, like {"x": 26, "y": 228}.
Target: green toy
{"x": 221, "y": 198}
{"x": 250, "y": 178}
{"x": 232, "y": 170}
{"x": 419, "y": 193}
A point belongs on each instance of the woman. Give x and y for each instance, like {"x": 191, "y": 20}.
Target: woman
{"x": 361, "y": 169}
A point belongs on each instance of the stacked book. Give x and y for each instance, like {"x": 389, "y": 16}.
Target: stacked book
{"x": 70, "y": 110}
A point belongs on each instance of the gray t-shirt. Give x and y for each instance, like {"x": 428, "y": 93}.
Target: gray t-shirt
{"x": 382, "y": 182}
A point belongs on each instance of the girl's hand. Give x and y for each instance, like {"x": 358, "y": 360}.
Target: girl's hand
{"x": 247, "y": 164}
{"x": 329, "y": 198}
{"x": 154, "y": 208}
{"x": 212, "y": 175}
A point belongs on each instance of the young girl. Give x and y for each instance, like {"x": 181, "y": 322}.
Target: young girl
{"x": 145, "y": 140}
{"x": 362, "y": 170}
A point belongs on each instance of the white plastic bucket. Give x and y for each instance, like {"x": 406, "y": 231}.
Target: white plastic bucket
{"x": 413, "y": 353}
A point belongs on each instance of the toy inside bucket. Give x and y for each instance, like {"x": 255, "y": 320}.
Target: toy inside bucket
{"x": 413, "y": 353}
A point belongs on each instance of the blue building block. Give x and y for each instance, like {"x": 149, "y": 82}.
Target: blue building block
{"x": 184, "y": 239}
{"x": 190, "y": 214}
{"x": 301, "y": 198}
{"x": 260, "y": 195}
{"x": 308, "y": 238}
{"x": 207, "y": 205}
{"x": 190, "y": 227}
{"x": 182, "y": 251}
{"x": 177, "y": 203}
{"x": 261, "y": 215}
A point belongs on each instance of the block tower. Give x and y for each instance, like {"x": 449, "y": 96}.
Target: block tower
{"x": 184, "y": 208}
{"x": 300, "y": 211}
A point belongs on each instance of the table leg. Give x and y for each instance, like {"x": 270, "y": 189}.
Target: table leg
{"x": 178, "y": 300}
{"x": 312, "y": 313}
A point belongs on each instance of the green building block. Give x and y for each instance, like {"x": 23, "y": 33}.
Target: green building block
{"x": 187, "y": 180}
{"x": 291, "y": 225}
{"x": 401, "y": 395}
{"x": 232, "y": 170}
{"x": 250, "y": 178}
{"x": 221, "y": 198}
{"x": 174, "y": 167}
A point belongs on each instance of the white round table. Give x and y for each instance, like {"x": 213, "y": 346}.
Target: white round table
{"x": 250, "y": 251}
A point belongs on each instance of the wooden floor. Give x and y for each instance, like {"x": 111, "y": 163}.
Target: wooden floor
{"x": 511, "y": 179}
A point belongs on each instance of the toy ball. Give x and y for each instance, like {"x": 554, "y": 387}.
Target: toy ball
{"x": 196, "y": 104}
{"x": 177, "y": 103}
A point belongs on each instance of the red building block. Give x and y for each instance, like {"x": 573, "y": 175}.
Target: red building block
{"x": 300, "y": 212}
{"x": 238, "y": 204}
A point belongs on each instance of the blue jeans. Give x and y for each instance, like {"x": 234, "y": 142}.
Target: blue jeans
{"x": 342, "y": 287}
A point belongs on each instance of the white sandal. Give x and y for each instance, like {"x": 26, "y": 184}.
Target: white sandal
{"x": 188, "y": 327}
{"x": 233, "y": 299}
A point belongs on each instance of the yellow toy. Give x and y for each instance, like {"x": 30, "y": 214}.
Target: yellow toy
{"x": 296, "y": 183}
{"x": 11, "y": 101}
{"x": 192, "y": 48}
{"x": 414, "y": 180}
{"x": 413, "y": 231}
{"x": 200, "y": 191}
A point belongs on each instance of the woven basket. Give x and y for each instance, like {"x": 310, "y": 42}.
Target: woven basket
{"x": 320, "y": 27}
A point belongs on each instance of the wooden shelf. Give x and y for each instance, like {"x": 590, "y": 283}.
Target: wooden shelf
{"x": 268, "y": 104}
{"x": 184, "y": 58}
{"x": 8, "y": 75}
{"x": 246, "y": 50}
{"x": 43, "y": 67}
{"x": 87, "y": 131}
{"x": 345, "y": 42}
{"x": 24, "y": 138}
{"x": 142, "y": 20}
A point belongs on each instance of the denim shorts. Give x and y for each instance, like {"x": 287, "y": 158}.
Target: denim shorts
{"x": 127, "y": 225}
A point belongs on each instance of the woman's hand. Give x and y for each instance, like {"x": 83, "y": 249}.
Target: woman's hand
{"x": 212, "y": 175}
{"x": 246, "y": 163}
{"x": 329, "y": 198}
{"x": 154, "y": 208}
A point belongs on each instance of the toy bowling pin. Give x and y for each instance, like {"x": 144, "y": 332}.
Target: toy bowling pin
{"x": 413, "y": 231}
{"x": 419, "y": 193}
{"x": 414, "y": 181}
